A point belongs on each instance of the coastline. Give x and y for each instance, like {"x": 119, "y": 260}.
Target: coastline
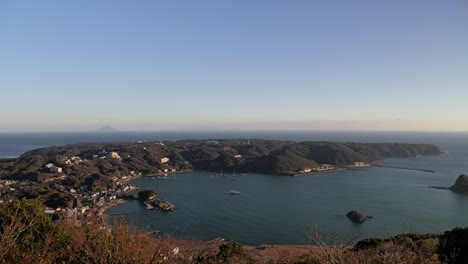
{"x": 315, "y": 172}
{"x": 274, "y": 252}
{"x": 163, "y": 173}
{"x": 101, "y": 211}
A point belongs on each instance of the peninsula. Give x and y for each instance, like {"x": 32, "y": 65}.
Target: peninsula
{"x": 91, "y": 175}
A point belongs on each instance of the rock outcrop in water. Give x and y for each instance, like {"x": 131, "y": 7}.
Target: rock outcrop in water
{"x": 356, "y": 217}
{"x": 461, "y": 185}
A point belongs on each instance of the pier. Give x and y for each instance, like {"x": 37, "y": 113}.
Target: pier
{"x": 403, "y": 168}
{"x": 439, "y": 187}
{"x": 164, "y": 206}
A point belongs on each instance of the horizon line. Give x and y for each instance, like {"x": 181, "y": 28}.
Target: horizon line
{"x": 233, "y": 130}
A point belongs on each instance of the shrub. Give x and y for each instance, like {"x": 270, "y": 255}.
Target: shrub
{"x": 26, "y": 232}
{"x": 453, "y": 246}
{"x": 368, "y": 244}
{"x": 404, "y": 241}
{"x": 235, "y": 250}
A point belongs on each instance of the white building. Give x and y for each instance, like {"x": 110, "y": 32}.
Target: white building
{"x": 113, "y": 155}
{"x": 54, "y": 169}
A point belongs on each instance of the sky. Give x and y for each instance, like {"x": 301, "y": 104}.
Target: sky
{"x": 234, "y": 65}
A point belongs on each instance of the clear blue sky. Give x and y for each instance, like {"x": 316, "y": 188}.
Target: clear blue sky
{"x": 237, "y": 64}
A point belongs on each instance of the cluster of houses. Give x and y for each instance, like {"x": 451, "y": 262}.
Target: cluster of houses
{"x": 103, "y": 154}
{"x": 93, "y": 201}
{"x": 4, "y": 183}
{"x": 9, "y": 189}
{"x": 327, "y": 167}
{"x": 165, "y": 160}
{"x": 5, "y": 188}
{"x": 319, "y": 168}
{"x": 73, "y": 160}
{"x": 126, "y": 177}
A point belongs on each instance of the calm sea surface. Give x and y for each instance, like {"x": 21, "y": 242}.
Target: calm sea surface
{"x": 278, "y": 209}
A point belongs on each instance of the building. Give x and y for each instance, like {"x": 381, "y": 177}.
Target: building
{"x": 238, "y": 156}
{"x": 54, "y": 169}
{"x": 325, "y": 167}
{"x": 359, "y": 164}
{"x": 164, "y": 160}
{"x": 113, "y": 155}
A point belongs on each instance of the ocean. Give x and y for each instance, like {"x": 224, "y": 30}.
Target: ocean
{"x": 279, "y": 210}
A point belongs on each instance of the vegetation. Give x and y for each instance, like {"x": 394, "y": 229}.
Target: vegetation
{"x": 453, "y": 246}
{"x": 103, "y": 167}
{"x": 145, "y": 195}
{"x": 262, "y": 156}
{"x": 28, "y": 235}
{"x": 356, "y": 217}
{"x": 233, "y": 250}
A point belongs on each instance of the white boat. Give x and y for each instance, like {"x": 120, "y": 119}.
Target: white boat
{"x": 149, "y": 206}
{"x": 233, "y": 192}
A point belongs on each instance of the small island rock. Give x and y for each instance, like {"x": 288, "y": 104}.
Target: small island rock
{"x": 461, "y": 185}
{"x": 146, "y": 195}
{"x": 356, "y": 217}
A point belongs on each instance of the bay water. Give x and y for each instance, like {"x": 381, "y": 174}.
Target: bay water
{"x": 278, "y": 209}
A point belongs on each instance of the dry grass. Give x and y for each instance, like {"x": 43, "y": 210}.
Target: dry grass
{"x": 122, "y": 244}
{"x": 33, "y": 238}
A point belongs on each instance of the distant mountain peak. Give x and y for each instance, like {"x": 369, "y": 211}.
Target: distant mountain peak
{"x": 106, "y": 128}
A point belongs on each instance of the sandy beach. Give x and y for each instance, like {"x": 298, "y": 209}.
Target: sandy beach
{"x": 106, "y": 206}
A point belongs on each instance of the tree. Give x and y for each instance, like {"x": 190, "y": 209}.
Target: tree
{"x": 453, "y": 246}
{"x": 24, "y": 226}
{"x": 233, "y": 250}
{"x": 145, "y": 195}
{"x": 58, "y": 199}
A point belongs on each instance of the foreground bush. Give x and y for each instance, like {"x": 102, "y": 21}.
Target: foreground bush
{"x": 27, "y": 235}
{"x": 453, "y": 246}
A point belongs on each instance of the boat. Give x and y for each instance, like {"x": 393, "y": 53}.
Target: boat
{"x": 233, "y": 192}
{"x": 149, "y": 206}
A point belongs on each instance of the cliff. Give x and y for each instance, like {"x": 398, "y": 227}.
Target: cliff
{"x": 461, "y": 185}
